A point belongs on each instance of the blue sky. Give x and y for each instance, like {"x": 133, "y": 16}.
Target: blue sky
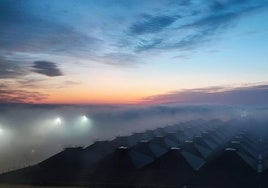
{"x": 124, "y": 51}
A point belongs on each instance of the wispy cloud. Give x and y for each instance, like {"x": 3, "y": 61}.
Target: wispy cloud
{"x": 11, "y": 69}
{"x": 152, "y": 24}
{"x": 24, "y": 31}
{"x": 46, "y": 68}
{"x": 11, "y": 95}
{"x": 141, "y": 26}
{"x": 30, "y": 83}
{"x": 198, "y": 24}
{"x": 244, "y": 95}
{"x": 67, "y": 83}
{"x": 119, "y": 59}
{"x": 148, "y": 44}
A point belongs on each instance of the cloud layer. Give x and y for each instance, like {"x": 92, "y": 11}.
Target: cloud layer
{"x": 152, "y": 24}
{"x": 247, "y": 95}
{"x": 90, "y": 34}
{"x": 8, "y": 94}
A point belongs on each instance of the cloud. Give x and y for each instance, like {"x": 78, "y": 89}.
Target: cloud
{"x": 48, "y": 38}
{"x": 213, "y": 20}
{"x": 194, "y": 28}
{"x": 11, "y": 69}
{"x": 68, "y": 83}
{"x": 119, "y": 59}
{"x": 246, "y": 95}
{"x": 148, "y": 44}
{"x": 10, "y": 95}
{"x": 12, "y": 66}
{"x": 46, "y": 68}
{"x": 31, "y": 83}
{"x": 153, "y": 24}
{"x": 218, "y": 5}
{"x": 49, "y": 29}
{"x": 22, "y": 30}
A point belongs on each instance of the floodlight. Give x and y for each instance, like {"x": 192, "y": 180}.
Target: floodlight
{"x": 84, "y": 119}
{"x": 58, "y": 121}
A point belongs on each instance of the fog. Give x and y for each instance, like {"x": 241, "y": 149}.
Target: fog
{"x": 32, "y": 133}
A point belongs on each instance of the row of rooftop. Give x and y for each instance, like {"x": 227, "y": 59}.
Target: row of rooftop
{"x": 199, "y": 153}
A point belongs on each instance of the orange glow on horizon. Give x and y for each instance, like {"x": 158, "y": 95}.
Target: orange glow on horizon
{"x": 93, "y": 98}
{"x": 101, "y": 95}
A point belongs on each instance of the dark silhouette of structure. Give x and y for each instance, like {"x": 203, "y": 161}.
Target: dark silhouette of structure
{"x": 198, "y": 154}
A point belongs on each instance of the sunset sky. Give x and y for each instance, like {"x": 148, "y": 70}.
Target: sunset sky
{"x": 136, "y": 51}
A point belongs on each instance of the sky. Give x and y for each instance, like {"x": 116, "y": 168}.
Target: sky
{"x": 132, "y": 52}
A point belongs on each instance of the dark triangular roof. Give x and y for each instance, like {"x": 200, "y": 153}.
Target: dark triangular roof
{"x": 169, "y": 169}
{"x": 158, "y": 146}
{"x": 192, "y": 155}
{"x": 115, "y": 167}
{"x": 101, "y": 147}
{"x": 226, "y": 170}
{"x": 143, "y": 147}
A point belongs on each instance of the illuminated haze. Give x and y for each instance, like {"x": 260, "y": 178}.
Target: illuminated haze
{"x": 30, "y": 134}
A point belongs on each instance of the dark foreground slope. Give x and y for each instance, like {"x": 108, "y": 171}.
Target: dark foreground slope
{"x": 199, "y": 154}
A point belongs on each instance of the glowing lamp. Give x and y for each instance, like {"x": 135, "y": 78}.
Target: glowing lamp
{"x": 84, "y": 119}
{"x": 58, "y": 121}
